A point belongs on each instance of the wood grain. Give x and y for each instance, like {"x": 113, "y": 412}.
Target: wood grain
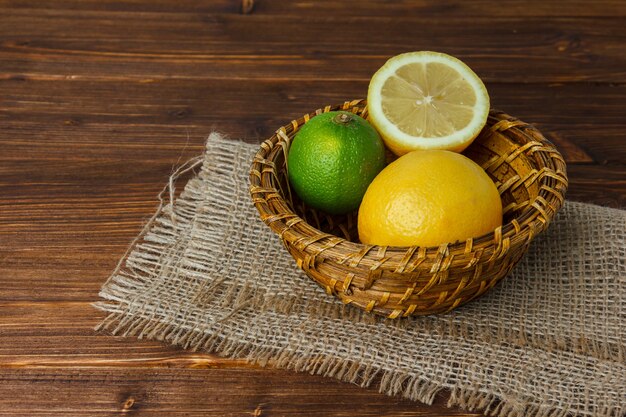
{"x": 101, "y": 99}
{"x": 577, "y": 117}
{"x": 192, "y": 392}
{"x": 116, "y": 45}
{"x": 304, "y": 8}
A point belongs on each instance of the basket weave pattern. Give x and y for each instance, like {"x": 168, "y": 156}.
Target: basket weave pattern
{"x": 530, "y": 175}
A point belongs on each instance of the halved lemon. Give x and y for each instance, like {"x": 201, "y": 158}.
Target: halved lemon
{"x": 427, "y": 100}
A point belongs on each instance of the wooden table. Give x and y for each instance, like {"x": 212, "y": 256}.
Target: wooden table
{"x": 99, "y": 100}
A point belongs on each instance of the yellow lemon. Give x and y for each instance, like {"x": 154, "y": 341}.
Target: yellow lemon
{"x": 426, "y": 198}
{"x": 427, "y": 100}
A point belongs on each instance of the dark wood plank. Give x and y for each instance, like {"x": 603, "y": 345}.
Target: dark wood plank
{"x": 157, "y": 120}
{"x": 599, "y": 184}
{"x": 155, "y": 46}
{"x": 305, "y": 8}
{"x": 192, "y": 392}
{"x": 512, "y": 8}
{"x": 30, "y": 339}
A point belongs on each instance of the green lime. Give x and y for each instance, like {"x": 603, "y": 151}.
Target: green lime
{"x": 333, "y": 159}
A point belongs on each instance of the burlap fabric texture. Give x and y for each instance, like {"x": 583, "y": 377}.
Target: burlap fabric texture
{"x": 549, "y": 340}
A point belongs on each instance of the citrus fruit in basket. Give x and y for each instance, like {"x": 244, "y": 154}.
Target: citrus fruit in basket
{"x": 332, "y": 160}
{"x": 426, "y": 198}
{"x": 427, "y": 100}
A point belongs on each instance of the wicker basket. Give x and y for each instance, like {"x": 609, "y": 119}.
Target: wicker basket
{"x": 402, "y": 281}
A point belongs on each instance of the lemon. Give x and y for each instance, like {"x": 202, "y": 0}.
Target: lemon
{"x": 427, "y": 100}
{"x": 427, "y": 198}
{"x": 332, "y": 160}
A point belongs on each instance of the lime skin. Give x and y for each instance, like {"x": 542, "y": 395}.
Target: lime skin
{"x": 332, "y": 160}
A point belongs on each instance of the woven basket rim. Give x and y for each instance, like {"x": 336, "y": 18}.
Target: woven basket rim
{"x": 517, "y": 231}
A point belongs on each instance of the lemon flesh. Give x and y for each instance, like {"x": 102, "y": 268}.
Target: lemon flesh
{"x": 427, "y": 100}
{"x": 427, "y": 198}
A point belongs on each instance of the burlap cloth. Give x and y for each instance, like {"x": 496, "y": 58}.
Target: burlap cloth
{"x": 549, "y": 340}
